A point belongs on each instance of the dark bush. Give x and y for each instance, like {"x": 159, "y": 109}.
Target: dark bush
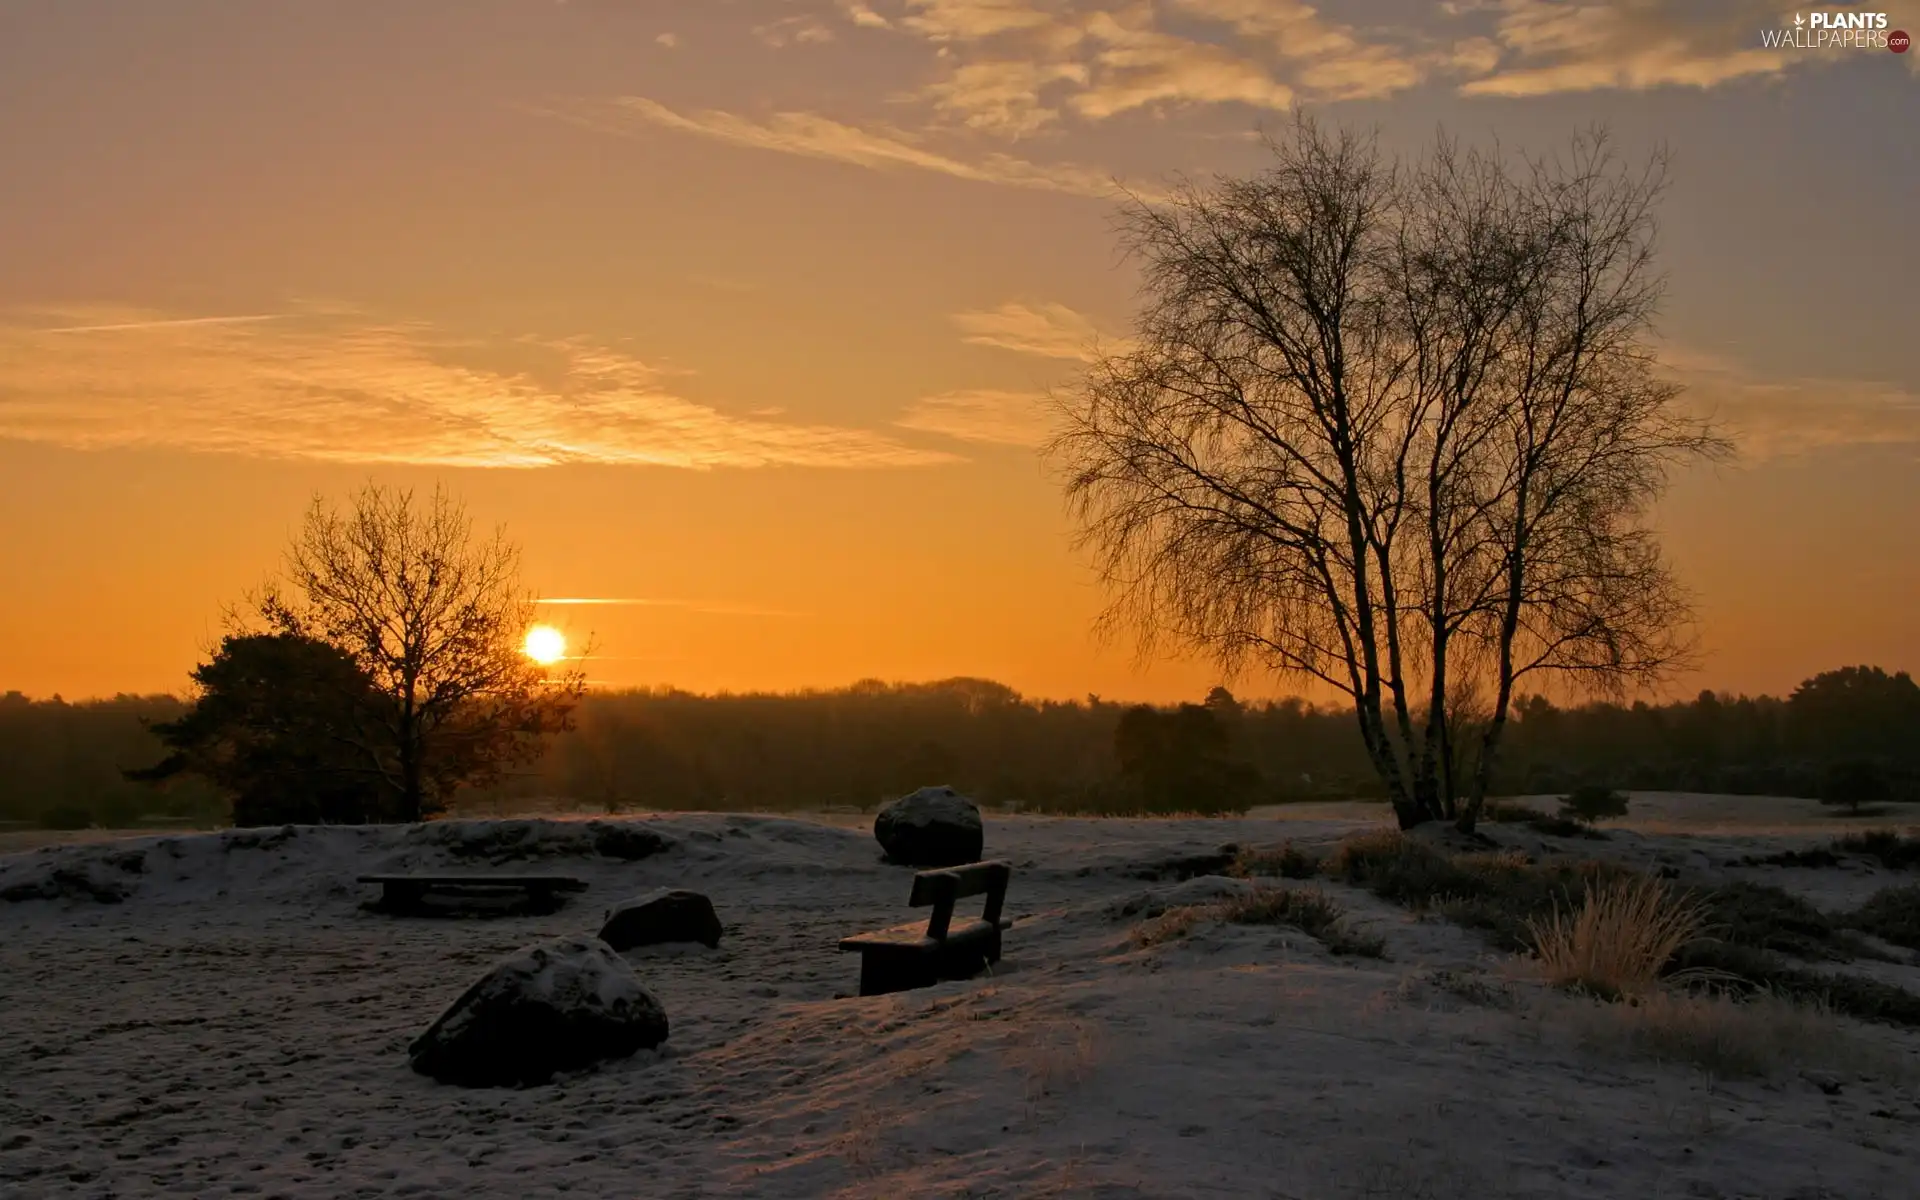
{"x": 66, "y": 816}
{"x": 1593, "y": 802}
{"x": 1762, "y": 917}
{"x": 1723, "y": 966}
{"x": 1893, "y": 851}
{"x": 1893, "y": 914}
{"x": 1815, "y": 857}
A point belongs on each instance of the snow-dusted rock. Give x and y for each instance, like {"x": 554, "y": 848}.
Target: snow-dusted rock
{"x": 101, "y": 874}
{"x": 516, "y": 839}
{"x": 933, "y": 827}
{"x": 666, "y": 915}
{"x": 552, "y": 1006}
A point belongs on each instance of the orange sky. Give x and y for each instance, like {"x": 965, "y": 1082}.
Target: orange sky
{"x": 741, "y": 309}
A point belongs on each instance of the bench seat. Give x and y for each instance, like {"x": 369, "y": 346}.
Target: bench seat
{"x": 913, "y": 935}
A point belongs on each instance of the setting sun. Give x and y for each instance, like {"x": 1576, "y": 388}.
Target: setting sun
{"x": 545, "y": 644}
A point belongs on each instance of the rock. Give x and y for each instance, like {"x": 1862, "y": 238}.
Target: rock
{"x": 628, "y": 841}
{"x": 933, "y": 827}
{"x": 1184, "y": 866}
{"x": 553, "y": 1006}
{"x": 1826, "y": 1081}
{"x": 667, "y": 915}
{"x": 88, "y": 876}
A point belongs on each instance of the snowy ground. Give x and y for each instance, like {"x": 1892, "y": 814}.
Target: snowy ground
{"x": 235, "y": 1025}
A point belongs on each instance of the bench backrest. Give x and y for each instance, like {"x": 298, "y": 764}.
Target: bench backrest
{"x": 942, "y": 887}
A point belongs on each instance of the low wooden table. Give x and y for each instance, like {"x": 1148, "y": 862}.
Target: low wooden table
{"x": 408, "y": 893}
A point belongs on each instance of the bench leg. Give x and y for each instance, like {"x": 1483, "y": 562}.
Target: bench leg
{"x": 401, "y": 897}
{"x": 882, "y": 973}
{"x": 967, "y": 959}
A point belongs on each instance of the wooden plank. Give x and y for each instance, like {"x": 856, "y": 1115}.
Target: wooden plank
{"x": 930, "y": 887}
{"x": 560, "y": 883}
{"x": 914, "y": 936}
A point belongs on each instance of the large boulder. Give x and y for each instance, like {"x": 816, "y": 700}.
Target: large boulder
{"x": 933, "y": 827}
{"x": 553, "y": 1006}
{"x": 666, "y": 915}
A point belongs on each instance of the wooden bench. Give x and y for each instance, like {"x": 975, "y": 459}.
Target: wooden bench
{"x": 408, "y": 893}
{"x": 914, "y": 956}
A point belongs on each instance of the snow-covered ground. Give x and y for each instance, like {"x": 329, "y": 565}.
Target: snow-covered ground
{"x": 235, "y": 1024}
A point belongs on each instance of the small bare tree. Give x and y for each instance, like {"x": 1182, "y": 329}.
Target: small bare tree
{"x": 1395, "y": 428}
{"x": 436, "y": 620}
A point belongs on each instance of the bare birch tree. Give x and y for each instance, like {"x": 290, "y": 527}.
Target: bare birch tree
{"x": 435, "y": 618}
{"x": 1396, "y": 428}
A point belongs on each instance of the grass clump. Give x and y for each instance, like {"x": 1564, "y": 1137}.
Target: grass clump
{"x": 1743, "y": 971}
{"x": 1817, "y": 857}
{"x": 1887, "y": 846}
{"x": 1746, "y": 927}
{"x": 1310, "y": 911}
{"x": 1892, "y": 914}
{"x": 1507, "y": 813}
{"x": 1761, "y": 1035}
{"x": 1620, "y": 939}
{"x": 1169, "y": 926}
{"x": 1287, "y": 861}
{"x": 1763, "y": 917}
{"x": 1497, "y": 893}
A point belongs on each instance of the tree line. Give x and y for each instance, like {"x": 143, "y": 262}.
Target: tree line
{"x": 856, "y": 746}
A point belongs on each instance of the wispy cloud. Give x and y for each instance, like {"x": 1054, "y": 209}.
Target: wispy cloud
{"x": 1584, "y": 45}
{"x": 166, "y": 323}
{"x": 714, "y": 608}
{"x": 1777, "y": 418}
{"x": 798, "y": 30}
{"x": 813, "y": 136}
{"x": 1047, "y": 330}
{"x": 1014, "y": 67}
{"x": 862, "y": 16}
{"x": 339, "y": 389}
{"x": 999, "y": 418}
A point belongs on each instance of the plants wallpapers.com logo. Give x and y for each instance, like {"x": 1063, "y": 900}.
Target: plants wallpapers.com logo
{"x": 1837, "y": 31}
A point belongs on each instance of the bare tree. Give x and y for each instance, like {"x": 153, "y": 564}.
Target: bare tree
{"x": 1395, "y": 428}
{"x": 435, "y": 619}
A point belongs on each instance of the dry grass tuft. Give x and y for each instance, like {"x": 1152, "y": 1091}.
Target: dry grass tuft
{"x": 858, "y": 1146}
{"x": 1169, "y": 926}
{"x": 1353, "y": 856}
{"x": 1054, "y": 1057}
{"x": 1619, "y": 940}
{"x": 1306, "y": 909}
{"x": 1757, "y": 1037}
{"x": 1287, "y": 861}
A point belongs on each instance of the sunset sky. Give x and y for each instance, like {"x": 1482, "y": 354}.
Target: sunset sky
{"x": 736, "y": 311}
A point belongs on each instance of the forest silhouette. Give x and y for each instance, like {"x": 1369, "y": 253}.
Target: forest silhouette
{"x": 856, "y": 746}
